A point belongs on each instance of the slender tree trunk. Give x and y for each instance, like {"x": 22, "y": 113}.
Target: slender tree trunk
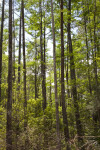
{"x": 9, "y": 101}
{"x": 91, "y": 38}
{"x": 88, "y": 71}
{"x": 42, "y": 60}
{"x": 35, "y": 68}
{"x": 50, "y": 90}
{"x": 24, "y": 66}
{"x": 95, "y": 67}
{"x": 55, "y": 81}
{"x": 1, "y": 41}
{"x": 59, "y": 86}
{"x": 19, "y": 55}
{"x": 44, "y": 69}
{"x": 13, "y": 62}
{"x": 18, "y": 88}
{"x": 13, "y": 43}
{"x": 65, "y": 120}
{"x": 73, "y": 79}
{"x": 67, "y": 74}
{"x": 95, "y": 114}
{"x": 24, "y": 72}
{"x": 41, "y": 46}
{"x": 44, "y": 82}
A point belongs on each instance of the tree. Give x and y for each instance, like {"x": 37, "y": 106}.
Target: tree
{"x": 9, "y": 101}
{"x": 19, "y": 76}
{"x": 56, "y": 104}
{"x": 24, "y": 72}
{"x": 79, "y": 127}
{"x": 44, "y": 64}
{"x": 19, "y": 56}
{"x": 1, "y": 41}
{"x": 87, "y": 47}
{"x": 95, "y": 66}
{"x": 36, "y": 94}
{"x": 13, "y": 41}
{"x": 65, "y": 120}
{"x": 55, "y": 80}
{"x": 42, "y": 59}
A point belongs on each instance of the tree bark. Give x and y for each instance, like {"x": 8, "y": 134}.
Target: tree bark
{"x": 92, "y": 40}
{"x": 67, "y": 74}
{"x": 55, "y": 81}
{"x": 9, "y": 101}
{"x": 13, "y": 42}
{"x": 19, "y": 55}
{"x": 44, "y": 70}
{"x": 97, "y": 95}
{"x": 1, "y": 41}
{"x": 24, "y": 72}
{"x": 36, "y": 94}
{"x": 42, "y": 60}
{"x": 18, "y": 88}
{"x": 88, "y": 70}
{"x": 50, "y": 91}
{"x": 65, "y": 120}
{"x": 79, "y": 127}
{"x": 24, "y": 66}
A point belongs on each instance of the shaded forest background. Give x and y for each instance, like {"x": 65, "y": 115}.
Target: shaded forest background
{"x": 50, "y": 97}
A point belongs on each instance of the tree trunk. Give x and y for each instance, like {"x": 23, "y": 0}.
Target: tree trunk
{"x": 19, "y": 56}
{"x": 44, "y": 84}
{"x": 24, "y": 72}
{"x": 13, "y": 43}
{"x": 97, "y": 95}
{"x": 36, "y": 94}
{"x": 73, "y": 79}
{"x": 50, "y": 91}
{"x": 65, "y": 120}
{"x": 88, "y": 70}
{"x": 1, "y": 41}
{"x": 67, "y": 74}
{"x": 42, "y": 61}
{"x": 55, "y": 81}
{"x": 95, "y": 113}
{"x": 44, "y": 70}
{"x": 9, "y": 101}
{"x": 18, "y": 88}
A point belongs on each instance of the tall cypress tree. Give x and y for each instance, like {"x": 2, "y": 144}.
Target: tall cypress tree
{"x": 97, "y": 90}
{"x": 19, "y": 55}
{"x": 65, "y": 120}
{"x": 13, "y": 41}
{"x": 87, "y": 47}
{"x": 18, "y": 88}
{"x": 44, "y": 65}
{"x": 79, "y": 128}
{"x": 55, "y": 81}
{"x": 24, "y": 67}
{"x": 42, "y": 59}
{"x": 24, "y": 73}
{"x": 1, "y": 41}
{"x": 9, "y": 101}
{"x": 36, "y": 92}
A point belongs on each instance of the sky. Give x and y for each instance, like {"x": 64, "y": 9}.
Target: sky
{"x": 50, "y": 48}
